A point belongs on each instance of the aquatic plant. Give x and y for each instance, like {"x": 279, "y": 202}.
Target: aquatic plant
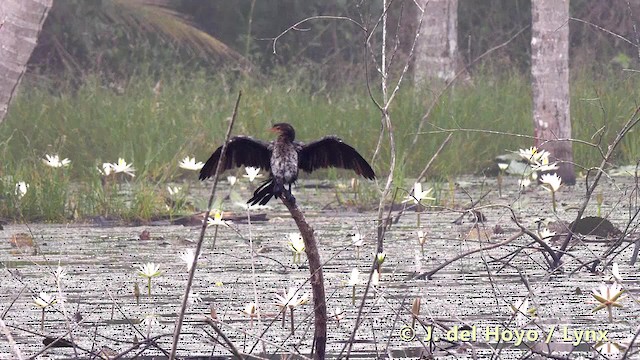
{"x": 149, "y": 271}
{"x": 608, "y": 296}
{"x": 189, "y": 163}
{"x": 290, "y": 300}
{"x": 553, "y": 183}
{"x": 296, "y": 244}
{"x": 217, "y": 221}
{"x": 43, "y": 301}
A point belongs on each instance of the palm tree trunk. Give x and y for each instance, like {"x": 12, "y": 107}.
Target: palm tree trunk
{"x": 550, "y": 81}
{"x": 437, "y": 45}
{"x": 20, "y": 24}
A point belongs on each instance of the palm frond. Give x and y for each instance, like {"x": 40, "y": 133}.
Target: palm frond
{"x": 157, "y": 16}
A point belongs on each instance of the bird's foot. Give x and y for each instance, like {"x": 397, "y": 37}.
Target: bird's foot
{"x": 289, "y": 196}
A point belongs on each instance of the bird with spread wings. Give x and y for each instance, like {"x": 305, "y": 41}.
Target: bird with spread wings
{"x": 283, "y": 158}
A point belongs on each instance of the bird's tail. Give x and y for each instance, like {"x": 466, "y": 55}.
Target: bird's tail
{"x": 263, "y": 193}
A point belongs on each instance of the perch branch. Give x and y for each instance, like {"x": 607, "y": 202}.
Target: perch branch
{"x": 317, "y": 281}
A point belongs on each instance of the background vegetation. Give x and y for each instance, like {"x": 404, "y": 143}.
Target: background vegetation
{"x": 114, "y": 79}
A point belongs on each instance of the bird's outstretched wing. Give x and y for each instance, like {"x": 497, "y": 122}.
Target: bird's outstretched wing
{"x": 330, "y": 151}
{"x": 241, "y": 150}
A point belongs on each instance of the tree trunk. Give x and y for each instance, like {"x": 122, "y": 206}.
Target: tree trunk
{"x": 437, "y": 46}
{"x": 550, "y": 81}
{"x": 20, "y": 24}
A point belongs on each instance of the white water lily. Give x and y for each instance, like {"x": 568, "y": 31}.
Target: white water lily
{"x": 608, "y": 296}
{"x": 533, "y": 155}
{"x": 358, "y": 241}
{"x": 44, "y": 300}
{"x": 251, "y": 310}
{"x": 520, "y": 310}
{"x": 296, "y": 244}
{"x": 189, "y": 163}
{"x": 252, "y": 173}
{"x": 552, "y": 180}
{"x": 418, "y": 195}
{"x": 375, "y": 278}
{"x": 55, "y": 162}
{"x": 354, "y": 278}
{"x": 217, "y": 219}
{"x": 608, "y": 348}
{"x": 149, "y": 271}
{"x": 544, "y": 167}
{"x": 107, "y": 169}
{"x": 122, "y": 167}
{"x": 188, "y": 257}
{"x": 538, "y": 160}
{"x": 21, "y": 189}
{"x": 291, "y": 298}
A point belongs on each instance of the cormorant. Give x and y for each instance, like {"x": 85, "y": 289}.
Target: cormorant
{"x": 283, "y": 158}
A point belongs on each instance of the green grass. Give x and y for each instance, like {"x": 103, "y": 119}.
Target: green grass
{"x": 94, "y": 124}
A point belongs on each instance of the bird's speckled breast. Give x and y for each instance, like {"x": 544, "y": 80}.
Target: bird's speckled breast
{"x": 284, "y": 162}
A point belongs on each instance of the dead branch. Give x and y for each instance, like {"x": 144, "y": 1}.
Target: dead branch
{"x": 633, "y": 120}
{"x": 430, "y": 273}
{"x": 317, "y": 281}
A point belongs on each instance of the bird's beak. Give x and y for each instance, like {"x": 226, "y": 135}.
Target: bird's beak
{"x": 275, "y": 129}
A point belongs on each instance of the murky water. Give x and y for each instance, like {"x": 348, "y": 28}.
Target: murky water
{"x": 475, "y": 291}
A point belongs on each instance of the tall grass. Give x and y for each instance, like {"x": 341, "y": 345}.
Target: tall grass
{"x": 187, "y": 116}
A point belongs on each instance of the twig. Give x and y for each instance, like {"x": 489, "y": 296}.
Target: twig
{"x": 215, "y": 327}
{"x": 244, "y": 332}
{"x": 185, "y": 299}
{"x": 430, "y": 273}
{"x": 12, "y": 343}
{"x": 633, "y": 120}
{"x": 320, "y": 17}
{"x": 605, "y": 30}
{"x": 433, "y": 158}
{"x": 4, "y": 313}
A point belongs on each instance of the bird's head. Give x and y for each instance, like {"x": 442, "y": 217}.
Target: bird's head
{"x": 285, "y": 130}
